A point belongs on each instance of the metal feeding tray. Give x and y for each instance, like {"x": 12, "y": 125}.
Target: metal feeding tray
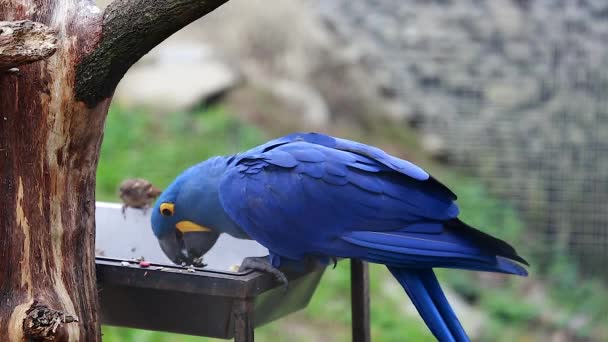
{"x": 211, "y": 301}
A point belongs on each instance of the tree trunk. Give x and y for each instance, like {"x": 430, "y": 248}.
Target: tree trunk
{"x": 49, "y": 148}
{"x": 49, "y": 145}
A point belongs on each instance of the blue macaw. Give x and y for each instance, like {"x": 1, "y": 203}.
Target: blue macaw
{"x": 312, "y": 195}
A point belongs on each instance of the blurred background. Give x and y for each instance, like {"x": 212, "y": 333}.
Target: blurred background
{"x": 505, "y": 101}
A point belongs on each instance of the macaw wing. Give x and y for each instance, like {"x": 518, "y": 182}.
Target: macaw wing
{"x": 310, "y": 189}
{"x": 375, "y": 155}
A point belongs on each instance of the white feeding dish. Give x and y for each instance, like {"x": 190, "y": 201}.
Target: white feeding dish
{"x": 130, "y": 236}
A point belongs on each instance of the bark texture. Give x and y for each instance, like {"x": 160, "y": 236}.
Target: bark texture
{"x": 49, "y": 148}
{"x": 49, "y": 145}
{"x": 24, "y": 42}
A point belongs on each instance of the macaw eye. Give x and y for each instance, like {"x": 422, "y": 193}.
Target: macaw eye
{"x": 167, "y": 209}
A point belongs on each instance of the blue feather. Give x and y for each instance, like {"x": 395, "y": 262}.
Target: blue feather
{"x": 432, "y": 242}
{"x": 335, "y": 169}
{"x": 427, "y": 296}
{"x": 315, "y": 170}
{"x": 414, "y": 249}
{"x": 365, "y": 167}
{"x": 300, "y": 152}
{"x": 280, "y": 158}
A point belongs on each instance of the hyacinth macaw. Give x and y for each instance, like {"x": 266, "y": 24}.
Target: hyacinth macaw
{"x": 312, "y": 195}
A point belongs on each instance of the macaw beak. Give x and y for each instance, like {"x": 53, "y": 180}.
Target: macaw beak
{"x": 190, "y": 242}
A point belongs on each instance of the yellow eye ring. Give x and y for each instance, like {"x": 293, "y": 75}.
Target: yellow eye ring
{"x": 167, "y": 209}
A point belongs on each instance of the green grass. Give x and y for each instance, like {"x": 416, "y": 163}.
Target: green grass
{"x": 158, "y": 147}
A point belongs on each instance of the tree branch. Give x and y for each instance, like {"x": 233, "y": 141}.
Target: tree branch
{"x": 130, "y": 29}
{"x": 23, "y": 42}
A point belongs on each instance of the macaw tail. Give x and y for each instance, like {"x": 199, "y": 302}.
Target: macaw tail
{"x": 423, "y": 289}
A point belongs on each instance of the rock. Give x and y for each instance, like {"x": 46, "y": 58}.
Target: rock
{"x": 519, "y": 51}
{"x": 434, "y": 145}
{"x": 303, "y": 99}
{"x": 598, "y": 7}
{"x": 176, "y": 76}
{"x": 507, "y": 17}
{"x": 513, "y": 93}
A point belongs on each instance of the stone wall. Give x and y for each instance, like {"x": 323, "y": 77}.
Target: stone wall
{"x": 515, "y": 90}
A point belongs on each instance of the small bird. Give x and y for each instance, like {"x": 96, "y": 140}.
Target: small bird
{"x": 309, "y": 195}
{"x": 138, "y": 193}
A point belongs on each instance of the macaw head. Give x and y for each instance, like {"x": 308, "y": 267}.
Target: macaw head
{"x": 185, "y": 216}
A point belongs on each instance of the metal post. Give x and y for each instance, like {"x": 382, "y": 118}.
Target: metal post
{"x": 243, "y": 321}
{"x": 359, "y": 296}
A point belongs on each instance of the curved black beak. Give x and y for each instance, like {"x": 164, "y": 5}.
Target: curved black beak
{"x": 188, "y": 247}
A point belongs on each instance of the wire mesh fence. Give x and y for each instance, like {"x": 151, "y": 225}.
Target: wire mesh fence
{"x": 515, "y": 92}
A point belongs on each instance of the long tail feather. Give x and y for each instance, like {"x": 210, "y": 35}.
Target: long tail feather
{"x": 423, "y": 289}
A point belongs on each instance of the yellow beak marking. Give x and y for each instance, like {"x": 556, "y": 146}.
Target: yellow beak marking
{"x": 189, "y": 226}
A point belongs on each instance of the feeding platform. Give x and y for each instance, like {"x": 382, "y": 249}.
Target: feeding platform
{"x": 212, "y": 301}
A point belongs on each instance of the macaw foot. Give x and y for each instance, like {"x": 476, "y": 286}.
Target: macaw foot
{"x": 262, "y": 264}
{"x": 198, "y": 262}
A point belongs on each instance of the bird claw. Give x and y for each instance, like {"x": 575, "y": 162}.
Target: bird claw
{"x": 263, "y": 265}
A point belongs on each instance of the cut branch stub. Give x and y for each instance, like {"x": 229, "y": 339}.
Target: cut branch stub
{"x": 42, "y": 323}
{"x": 23, "y": 42}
